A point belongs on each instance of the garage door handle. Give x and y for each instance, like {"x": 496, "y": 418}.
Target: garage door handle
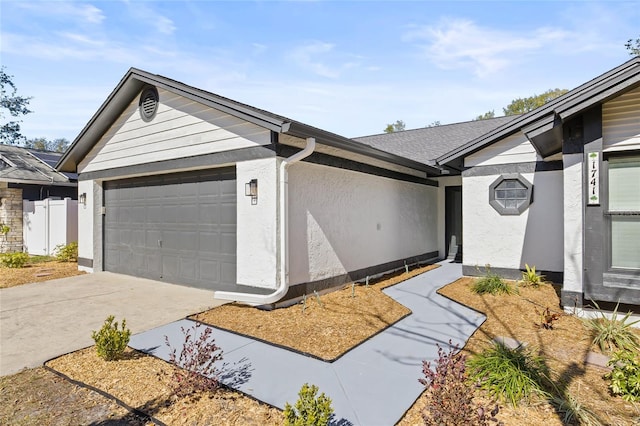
{"x": 159, "y": 243}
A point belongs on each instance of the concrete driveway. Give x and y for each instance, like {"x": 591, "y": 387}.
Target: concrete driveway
{"x": 43, "y": 320}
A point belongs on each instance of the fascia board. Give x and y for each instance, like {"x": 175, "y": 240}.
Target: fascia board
{"x": 230, "y": 107}
{"x": 570, "y": 99}
{"x": 330, "y": 139}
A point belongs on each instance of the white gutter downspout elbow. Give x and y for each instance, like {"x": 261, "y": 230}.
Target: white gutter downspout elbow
{"x": 283, "y": 252}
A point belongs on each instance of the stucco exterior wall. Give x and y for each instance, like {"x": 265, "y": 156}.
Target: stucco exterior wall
{"x": 342, "y": 221}
{"x": 85, "y": 224}
{"x": 573, "y": 228}
{"x": 257, "y": 230}
{"x": 533, "y": 237}
{"x": 443, "y": 183}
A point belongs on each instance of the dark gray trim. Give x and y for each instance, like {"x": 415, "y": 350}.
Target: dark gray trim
{"x": 330, "y": 139}
{"x": 533, "y": 166}
{"x": 596, "y": 244}
{"x": 87, "y": 263}
{"x": 510, "y": 273}
{"x": 200, "y": 161}
{"x": 299, "y": 290}
{"x": 571, "y": 299}
{"x": 621, "y": 279}
{"x": 343, "y": 163}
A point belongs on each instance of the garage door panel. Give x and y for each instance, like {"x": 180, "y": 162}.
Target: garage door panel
{"x": 193, "y": 215}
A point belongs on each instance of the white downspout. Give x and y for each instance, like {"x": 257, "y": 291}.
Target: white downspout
{"x": 283, "y": 252}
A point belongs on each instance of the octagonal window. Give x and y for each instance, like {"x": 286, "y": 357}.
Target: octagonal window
{"x": 510, "y": 194}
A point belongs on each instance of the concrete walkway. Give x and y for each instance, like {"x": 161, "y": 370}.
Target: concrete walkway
{"x": 373, "y": 384}
{"x": 43, "y": 320}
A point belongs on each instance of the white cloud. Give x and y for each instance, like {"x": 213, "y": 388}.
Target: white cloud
{"x": 460, "y": 43}
{"x": 165, "y": 25}
{"x": 306, "y": 57}
{"x": 88, "y": 13}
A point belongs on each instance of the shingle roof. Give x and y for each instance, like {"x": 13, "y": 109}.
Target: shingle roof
{"x": 24, "y": 165}
{"x": 426, "y": 144}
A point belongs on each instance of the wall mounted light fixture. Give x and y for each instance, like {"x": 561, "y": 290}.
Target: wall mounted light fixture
{"x": 251, "y": 190}
{"x": 82, "y": 198}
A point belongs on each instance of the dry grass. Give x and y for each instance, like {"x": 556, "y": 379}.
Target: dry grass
{"x": 37, "y": 272}
{"x": 325, "y": 329}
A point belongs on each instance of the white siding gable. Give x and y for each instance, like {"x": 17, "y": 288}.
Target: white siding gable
{"x": 512, "y": 149}
{"x": 181, "y": 128}
{"x": 621, "y": 122}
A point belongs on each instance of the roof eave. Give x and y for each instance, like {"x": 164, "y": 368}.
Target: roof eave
{"x": 331, "y": 139}
{"x": 127, "y": 89}
{"x": 597, "y": 90}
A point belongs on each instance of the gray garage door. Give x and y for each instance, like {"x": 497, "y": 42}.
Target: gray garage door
{"x": 179, "y": 228}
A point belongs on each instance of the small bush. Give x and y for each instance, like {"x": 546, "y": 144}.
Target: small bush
{"x": 14, "y": 260}
{"x": 111, "y": 342}
{"x": 547, "y": 318}
{"x": 309, "y": 410}
{"x": 509, "y": 375}
{"x": 625, "y": 376}
{"x": 531, "y": 278}
{"x": 450, "y": 400}
{"x": 67, "y": 253}
{"x": 573, "y": 412}
{"x": 612, "y": 334}
{"x": 197, "y": 359}
{"x": 491, "y": 283}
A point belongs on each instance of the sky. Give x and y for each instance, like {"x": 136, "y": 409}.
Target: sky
{"x": 349, "y": 67}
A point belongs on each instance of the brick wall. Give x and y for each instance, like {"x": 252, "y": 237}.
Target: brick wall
{"x": 11, "y": 215}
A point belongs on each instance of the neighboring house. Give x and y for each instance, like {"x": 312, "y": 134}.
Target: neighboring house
{"x": 188, "y": 187}
{"x": 27, "y": 174}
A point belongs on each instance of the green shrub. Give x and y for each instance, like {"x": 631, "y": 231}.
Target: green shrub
{"x": 14, "y": 260}
{"x": 625, "y": 376}
{"x": 4, "y": 229}
{"x": 509, "y": 375}
{"x": 67, "y": 253}
{"x": 612, "y": 334}
{"x": 111, "y": 342}
{"x": 450, "y": 396}
{"x": 574, "y": 412}
{"x": 310, "y": 410}
{"x": 531, "y": 278}
{"x": 491, "y": 283}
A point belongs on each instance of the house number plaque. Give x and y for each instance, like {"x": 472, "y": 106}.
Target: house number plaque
{"x": 593, "y": 196}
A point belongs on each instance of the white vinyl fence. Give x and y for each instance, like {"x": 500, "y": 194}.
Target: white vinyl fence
{"x": 48, "y": 223}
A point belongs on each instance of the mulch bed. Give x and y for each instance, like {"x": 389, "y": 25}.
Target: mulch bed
{"x": 325, "y": 328}
{"x": 144, "y": 382}
{"x": 37, "y": 272}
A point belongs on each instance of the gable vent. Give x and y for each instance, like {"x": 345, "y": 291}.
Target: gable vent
{"x": 148, "y": 104}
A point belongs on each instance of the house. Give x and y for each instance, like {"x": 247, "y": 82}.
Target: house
{"x": 186, "y": 186}
{"x": 28, "y": 175}
{"x": 559, "y": 188}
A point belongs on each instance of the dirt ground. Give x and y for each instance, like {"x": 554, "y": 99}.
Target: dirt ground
{"x": 37, "y": 272}
{"x": 143, "y": 382}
